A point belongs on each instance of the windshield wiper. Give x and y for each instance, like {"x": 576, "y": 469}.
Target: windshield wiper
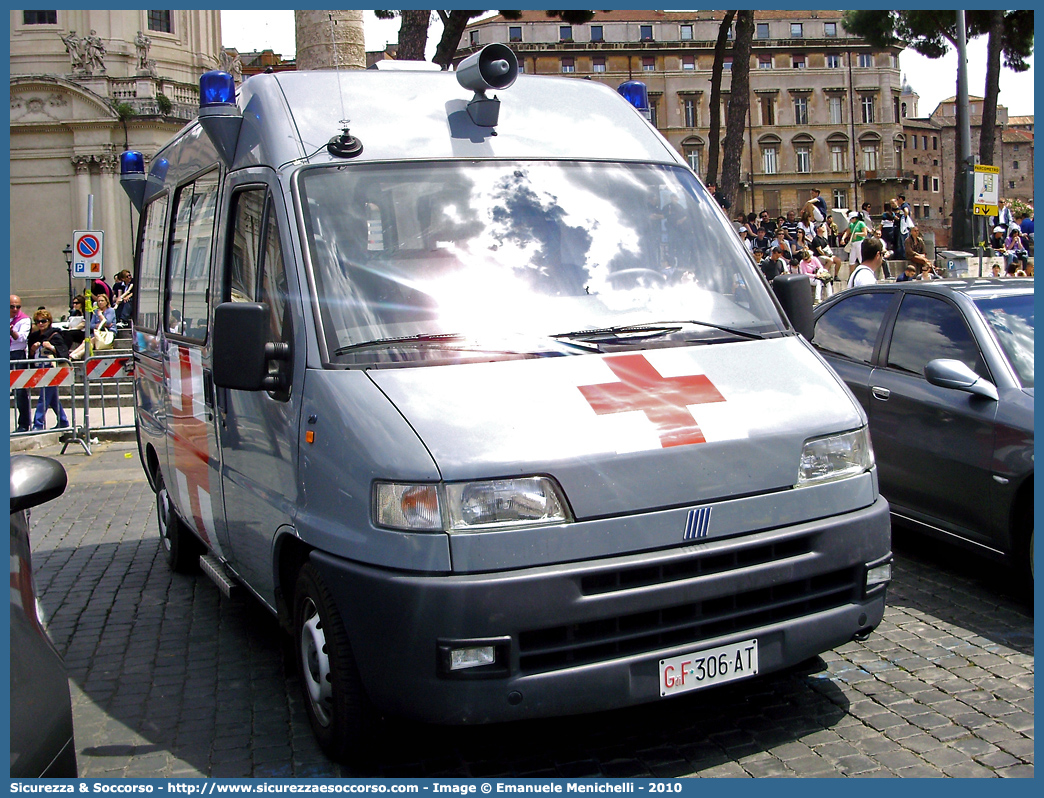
{"x": 416, "y": 340}
{"x": 639, "y": 332}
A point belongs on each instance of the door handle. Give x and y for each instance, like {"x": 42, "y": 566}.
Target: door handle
{"x": 881, "y": 393}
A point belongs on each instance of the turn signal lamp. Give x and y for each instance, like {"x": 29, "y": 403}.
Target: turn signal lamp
{"x": 132, "y": 176}
{"x": 637, "y": 94}
{"x": 218, "y": 113}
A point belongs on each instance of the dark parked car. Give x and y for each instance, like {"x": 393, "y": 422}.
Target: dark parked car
{"x": 944, "y": 370}
{"x": 41, "y": 712}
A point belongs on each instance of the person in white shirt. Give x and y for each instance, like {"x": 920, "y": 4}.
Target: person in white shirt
{"x": 21, "y": 325}
{"x": 866, "y": 272}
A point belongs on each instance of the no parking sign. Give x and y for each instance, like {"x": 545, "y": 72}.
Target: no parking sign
{"x": 87, "y": 253}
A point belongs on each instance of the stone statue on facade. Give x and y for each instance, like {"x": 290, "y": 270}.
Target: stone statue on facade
{"x": 233, "y": 65}
{"x": 141, "y": 47}
{"x": 95, "y": 53}
{"x": 76, "y": 47}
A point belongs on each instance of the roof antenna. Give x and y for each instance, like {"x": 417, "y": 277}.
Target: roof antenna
{"x": 344, "y": 145}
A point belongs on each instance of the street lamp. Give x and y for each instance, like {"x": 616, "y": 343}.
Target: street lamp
{"x": 68, "y": 267}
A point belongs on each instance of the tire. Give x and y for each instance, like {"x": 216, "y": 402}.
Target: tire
{"x": 342, "y": 718}
{"x": 181, "y": 549}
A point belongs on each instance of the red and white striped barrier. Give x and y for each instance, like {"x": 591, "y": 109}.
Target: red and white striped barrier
{"x": 109, "y": 369}
{"x": 57, "y": 377}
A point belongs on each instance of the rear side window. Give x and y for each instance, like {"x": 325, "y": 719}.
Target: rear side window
{"x": 149, "y": 269}
{"x": 928, "y": 328}
{"x": 195, "y": 206}
{"x": 851, "y": 327}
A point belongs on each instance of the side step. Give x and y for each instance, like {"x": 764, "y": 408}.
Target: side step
{"x": 215, "y": 569}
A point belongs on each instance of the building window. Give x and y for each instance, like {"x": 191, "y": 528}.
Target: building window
{"x": 686, "y": 33}
{"x": 866, "y": 60}
{"x": 914, "y": 143}
{"x": 904, "y": 110}
{"x": 522, "y": 66}
{"x": 870, "y": 157}
{"x": 895, "y": 109}
{"x": 648, "y": 63}
{"x": 838, "y": 159}
{"x": 840, "y": 198}
{"x": 798, "y": 62}
{"x": 39, "y": 17}
{"x": 1011, "y": 184}
{"x": 515, "y": 33}
{"x": 474, "y": 38}
{"x": 830, "y": 29}
{"x": 1014, "y": 164}
{"x": 689, "y": 62}
{"x": 694, "y": 156}
{"x": 935, "y": 143}
{"x": 796, "y": 30}
{"x": 1014, "y": 147}
{"x": 917, "y": 211}
{"x": 837, "y": 111}
{"x": 726, "y": 64}
{"x": 768, "y": 111}
{"x": 654, "y": 112}
{"x": 927, "y": 210}
{"x": 596, "y": 33}
{"x": 689, "y": 108}
{"x": 935, "y": 185}
{"x": 895, "y": 65}
{"x": 769, "y": 160}
{"x": 924, "y": 143}
{"x": 646, "y": 33}
{"x": 568, "y": 65}
{"x": 801, "y": 110}
{"x": 764, "y": 62}
{"x": 598, "y": 63}
{"x": 804, "y": 158}
{"x": 160, "y": 21}
{"x": 866, "y": 102}
{"x": 833, "y": 61}
{"x": 924, "y": 182}
{"x": 565, "y": 33}
{"x": 762, "y": 30}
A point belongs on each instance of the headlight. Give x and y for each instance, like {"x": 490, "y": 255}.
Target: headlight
{"x": 466, "y": 506}
{"x": 835, "y": 457}
{"x": 504, "y": 502}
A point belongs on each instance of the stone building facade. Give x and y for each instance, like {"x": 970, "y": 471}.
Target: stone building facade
{"x": 824, "y": 105}
{"x": 85, "y": 86}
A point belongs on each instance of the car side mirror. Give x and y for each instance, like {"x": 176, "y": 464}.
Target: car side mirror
{"x": 955, "y": 374}
{"x": 35, "y": 480}
{"x": 242, "y": 350}
{"x": 794, "y": 292}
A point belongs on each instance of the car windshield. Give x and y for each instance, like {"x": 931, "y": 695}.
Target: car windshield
{"x": 1011, "y": 317}
{"x": 424, "y": 261}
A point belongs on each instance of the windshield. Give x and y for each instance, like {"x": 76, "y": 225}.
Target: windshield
{"x": 1011, "y": 318}
{"x": 424, "y": 261}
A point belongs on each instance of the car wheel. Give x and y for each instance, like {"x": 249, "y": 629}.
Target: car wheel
{"x": 339, "y": 711}
{"x": 181, "y": 549}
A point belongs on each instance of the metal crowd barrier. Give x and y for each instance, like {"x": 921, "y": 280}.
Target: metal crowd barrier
{"x": 34, "y": 375}
{"x": 102, "y": 386}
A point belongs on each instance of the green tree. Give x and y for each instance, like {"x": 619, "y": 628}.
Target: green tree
{"x": 739, "y": 104}
{"x": 720, "y": 47}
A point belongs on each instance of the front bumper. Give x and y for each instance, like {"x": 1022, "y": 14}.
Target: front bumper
{"x": 588, "y": 636}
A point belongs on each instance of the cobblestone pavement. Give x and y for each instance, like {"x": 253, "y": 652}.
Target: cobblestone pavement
{"x": 169, "y": 678}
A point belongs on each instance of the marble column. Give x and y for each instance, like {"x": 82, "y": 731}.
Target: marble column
{"x": 329, "y": 39}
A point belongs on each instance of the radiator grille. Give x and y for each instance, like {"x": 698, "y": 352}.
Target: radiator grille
{"x": 559, "y": 647}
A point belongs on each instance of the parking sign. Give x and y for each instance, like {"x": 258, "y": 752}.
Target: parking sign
{"x": 986, "y": 190}
{"x": 87, "y": 253}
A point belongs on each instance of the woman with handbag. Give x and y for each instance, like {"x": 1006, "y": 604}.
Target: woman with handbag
{"x": 103, "y": 323}
{"x": 45, "y": 344}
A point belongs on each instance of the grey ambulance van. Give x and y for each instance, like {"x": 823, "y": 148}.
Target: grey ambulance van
{"x": 469, "y": 380}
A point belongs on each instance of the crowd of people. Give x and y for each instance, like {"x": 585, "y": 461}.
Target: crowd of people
{"x": 36, "y": 341}
{"x": 809, "y": 242}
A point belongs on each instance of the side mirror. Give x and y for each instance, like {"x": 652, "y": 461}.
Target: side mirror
{"x": 955, "y": 374}
{"x": 35, "y": 480}
{"x": 242, "y": 350}
{"x": 794, "y": 293}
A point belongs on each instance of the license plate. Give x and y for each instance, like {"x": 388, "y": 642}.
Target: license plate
{"x": 708, "y": 667}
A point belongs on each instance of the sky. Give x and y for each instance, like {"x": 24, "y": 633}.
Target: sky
{"x": 933, "y": 80}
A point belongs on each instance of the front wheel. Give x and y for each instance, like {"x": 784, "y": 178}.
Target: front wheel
{"x": 181, "y": 549}
{"x": 339, "y": 711}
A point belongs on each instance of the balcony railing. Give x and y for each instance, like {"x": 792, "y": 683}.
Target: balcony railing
{"x": 885, "y": 174}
